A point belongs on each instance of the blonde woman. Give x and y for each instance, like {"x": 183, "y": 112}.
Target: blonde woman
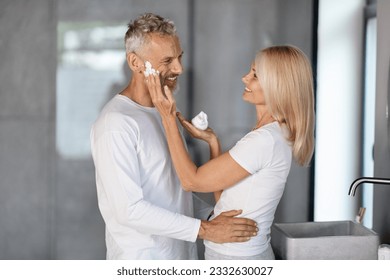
{"x": 251, "y": 175}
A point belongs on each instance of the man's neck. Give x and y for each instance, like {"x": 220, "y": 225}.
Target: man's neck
{"x": 138, "y": 93}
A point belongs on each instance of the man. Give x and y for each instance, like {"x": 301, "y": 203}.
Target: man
{"x": 146, "y": 212}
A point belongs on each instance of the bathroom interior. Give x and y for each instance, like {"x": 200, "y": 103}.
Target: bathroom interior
{"x": 62, "y": 60}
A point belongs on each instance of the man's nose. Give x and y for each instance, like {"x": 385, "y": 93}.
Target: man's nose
{"x": 177, "y": 67}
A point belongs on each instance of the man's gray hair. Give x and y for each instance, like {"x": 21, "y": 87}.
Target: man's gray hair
{"x": 138, "y": 30}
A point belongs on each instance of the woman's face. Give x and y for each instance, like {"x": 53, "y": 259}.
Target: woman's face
{"x": 253, "y": 92}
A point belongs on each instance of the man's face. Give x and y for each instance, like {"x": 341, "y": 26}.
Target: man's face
{"x": 165, "y": 53}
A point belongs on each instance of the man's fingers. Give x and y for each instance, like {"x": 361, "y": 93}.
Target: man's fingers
{"x": 244, "y": 221}
{"x": 248, "y": 228}
{"x": 244, "y": 232}
{"x": 231, "y": 213}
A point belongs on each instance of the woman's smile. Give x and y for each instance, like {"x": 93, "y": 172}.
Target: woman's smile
{"x": 247, "y": 89}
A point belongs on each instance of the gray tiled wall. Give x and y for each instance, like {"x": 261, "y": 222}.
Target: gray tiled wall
{"x": 27, "y": 94}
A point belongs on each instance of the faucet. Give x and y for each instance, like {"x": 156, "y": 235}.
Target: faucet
{"x": 357, "y": 182}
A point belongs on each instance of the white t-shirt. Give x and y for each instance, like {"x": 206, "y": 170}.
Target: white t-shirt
{"x": 146, "y": 212}
{"x": 266, "y": 155}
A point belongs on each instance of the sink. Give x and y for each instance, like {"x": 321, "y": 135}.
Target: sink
{"x": 338, "y": 240}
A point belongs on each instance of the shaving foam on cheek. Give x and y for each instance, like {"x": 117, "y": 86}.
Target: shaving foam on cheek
{"x": 200, "y": 121}
{"x": 149, "y": 70}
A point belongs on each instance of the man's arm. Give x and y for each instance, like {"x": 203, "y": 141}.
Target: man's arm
{"x": 121, "y": 199}
{"x": 120, "y": 196}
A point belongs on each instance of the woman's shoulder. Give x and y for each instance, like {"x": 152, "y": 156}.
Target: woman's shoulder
{"x": 274, "y": 130}
{"x": 270, "y": 130}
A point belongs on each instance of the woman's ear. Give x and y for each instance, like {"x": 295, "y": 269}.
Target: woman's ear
{"x": 134, "y": 62}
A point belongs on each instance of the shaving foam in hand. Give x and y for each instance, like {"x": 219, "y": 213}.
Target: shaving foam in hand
{"x": 200, "y": 121}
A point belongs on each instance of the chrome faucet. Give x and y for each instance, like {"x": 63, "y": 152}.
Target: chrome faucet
{"x": 357, "y": 182}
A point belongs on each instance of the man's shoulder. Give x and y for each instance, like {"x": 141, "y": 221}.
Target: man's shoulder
{"x": 115, "y": 117}
{"x": 116, "y": 110}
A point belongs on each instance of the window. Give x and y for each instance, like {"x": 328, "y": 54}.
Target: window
{"x": 369, "y": 110}
{"x": 91, "y": 68}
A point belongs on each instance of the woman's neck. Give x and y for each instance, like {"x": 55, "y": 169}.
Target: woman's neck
{"x": 264, "y": 117}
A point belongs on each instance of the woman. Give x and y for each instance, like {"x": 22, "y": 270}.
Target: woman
{"x": 252, "y": 175}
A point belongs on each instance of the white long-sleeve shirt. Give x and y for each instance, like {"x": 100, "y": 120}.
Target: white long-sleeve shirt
{"x": 146, "y": 212}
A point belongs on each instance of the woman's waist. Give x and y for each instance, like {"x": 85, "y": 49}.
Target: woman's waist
{"x": 256, "y": 245}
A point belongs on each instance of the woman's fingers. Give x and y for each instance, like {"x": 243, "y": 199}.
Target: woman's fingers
{"x": 186, "y": 124}
{"x": 153, "y": 82}
{"x": 162, "y": 98}
{"x": 180, "y": 117}
{"x": 182, "y": 120}
{"x": 194, "y": 132}
{"x": 168, "y": 94}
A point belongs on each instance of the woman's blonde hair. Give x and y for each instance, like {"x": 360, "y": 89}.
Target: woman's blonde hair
{"x": 286, "y": 77}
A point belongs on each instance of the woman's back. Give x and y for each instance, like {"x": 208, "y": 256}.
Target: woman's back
{"x": 266, "y": 154}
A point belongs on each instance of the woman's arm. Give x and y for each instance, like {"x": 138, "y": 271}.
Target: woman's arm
{"x": 215, "y": 151}
{"x": 217, "y": 174}
{"x": 209, "y": 137}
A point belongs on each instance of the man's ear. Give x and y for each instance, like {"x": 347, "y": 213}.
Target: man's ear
{"x": 134, "y": 62}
